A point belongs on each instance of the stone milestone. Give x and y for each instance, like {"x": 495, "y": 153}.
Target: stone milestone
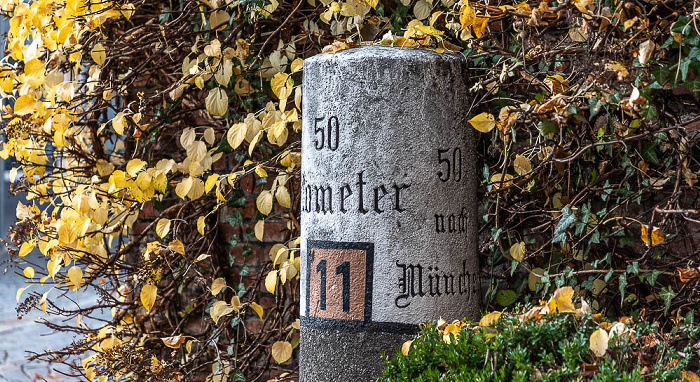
{"x": 389, "y": 227}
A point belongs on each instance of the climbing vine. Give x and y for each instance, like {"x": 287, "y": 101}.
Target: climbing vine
{"x": 157, "y": 146}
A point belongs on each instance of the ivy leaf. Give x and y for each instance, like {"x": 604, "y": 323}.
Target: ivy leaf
{"x": 567, "y": 219}
{"x": 622, "y": 283}
{"x": 667, "y": 295}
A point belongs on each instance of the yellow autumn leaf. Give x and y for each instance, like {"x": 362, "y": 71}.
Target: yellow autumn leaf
{"x": 183, "y": 188}
{"x": 406, "y": 347}
{"x": 19, "y": 293}
{"x": 522, "y": 165}
{"x": 201, "y": 225}
{"x": 657, "y": 237}
{"x": 282, "y": 85}
{"x": 75, "y": 277}
{"x": 25, "y": 105}
{"x": 25, "y": 248}
{"x": 217, "y": 285}
{"x": 216, "y": 102}
{"x": 599, "y": 342}
{"x": 271, "y": 281}
{"x": 562, "y": 301}
{"x": 517, "y": 251}
{"x": 451, "y": 330}
{"x": 467, "y": 15}
{"x": 282, "y": 197}
{"x": 296, "y": 65}
{"x": 479, "y": 26}
{"x": 42, "y": 301}
{"x": 148, "y": 296}
{"x": 281, "y": 351}
{"x": 490, "y": 319}
{"x": 211, "y": 182}
{"x": 236, "y": 303}
{"x": 261, "y": 172}
{"x": 177, "y": 246}
{"x": 236, "y": 134}
{"x": 163, "y": 227}
{"x": 615, "y": 66}
{"x": 500, "y": 180}
{"x": 219, "y": 309}
{"x": 218, "y": 19}
{"x": 264, "y": 202}
{"x": 104, "y": 168}
{"x": 34, "y": 71}
{"x": 483, "y": 122}
{"x": 118, "y": 123}
{"x": 259, "y": 229}
{"x": 134, "y": 166}
{"x": 257, "y": 308}
{"x": 173, "y": 341}
{"x": 28, "y": 272}
{"x": 202, "y": 257}
{"x": 98, "y": 54}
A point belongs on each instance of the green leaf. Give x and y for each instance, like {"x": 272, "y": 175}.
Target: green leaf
{"x": 567, "y": 219}
{"x": 667, "y": 295}
{"x": 547, "y": 127}
{"x": 622, "y": 283}
{"x": 651, "y": 277}
{"x": 506, "y": 297}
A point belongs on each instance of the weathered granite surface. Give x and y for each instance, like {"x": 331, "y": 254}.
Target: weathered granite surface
{"x": 389, "y": 225}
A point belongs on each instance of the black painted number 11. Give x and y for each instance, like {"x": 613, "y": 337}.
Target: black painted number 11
{"x": 342, "y": 269}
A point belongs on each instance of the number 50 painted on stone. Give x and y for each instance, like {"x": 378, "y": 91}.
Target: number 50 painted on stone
{"x": 339, "y": 281}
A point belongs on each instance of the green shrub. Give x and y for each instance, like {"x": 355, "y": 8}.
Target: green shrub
{"x": 547, "y": 347}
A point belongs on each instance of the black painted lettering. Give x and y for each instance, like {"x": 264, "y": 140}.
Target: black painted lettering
{"x": 377, "y": 198}
{"x": 397, "y": 196}
{"x": 360, "y": 186}
{"x": 343, "y": 196}
{"x": 321, "y": 196}
{"x": 344, "y": 270}
{"x": 439, "y": 223}
{"x": 321, "y": 268}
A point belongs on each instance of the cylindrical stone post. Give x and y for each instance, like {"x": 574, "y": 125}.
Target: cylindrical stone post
{"x": 388, "y": 221}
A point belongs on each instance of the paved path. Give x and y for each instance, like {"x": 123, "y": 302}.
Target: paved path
{"x": 17, "y": 337}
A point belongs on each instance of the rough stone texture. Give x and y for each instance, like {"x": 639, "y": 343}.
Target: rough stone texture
{"x": 377, "y": 121}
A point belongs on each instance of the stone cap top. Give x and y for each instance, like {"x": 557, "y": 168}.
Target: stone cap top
{"x": 384, "y": 52}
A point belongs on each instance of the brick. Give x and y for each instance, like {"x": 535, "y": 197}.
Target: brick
{"x": 275, "y": 232}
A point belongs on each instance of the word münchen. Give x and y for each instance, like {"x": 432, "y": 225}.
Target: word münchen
{"x": 418, "y": 281}
{"x": 357, "y": 195}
